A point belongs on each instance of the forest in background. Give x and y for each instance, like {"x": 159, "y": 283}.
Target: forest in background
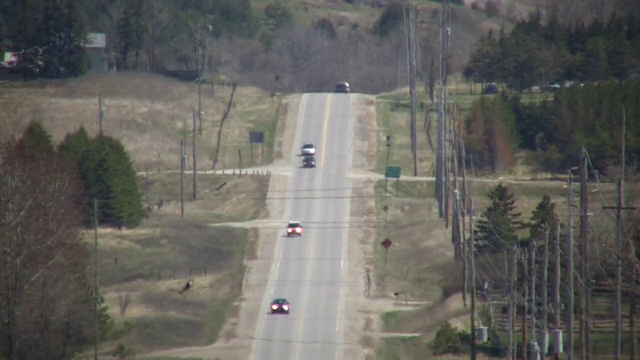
{"x": 285, "y": 45}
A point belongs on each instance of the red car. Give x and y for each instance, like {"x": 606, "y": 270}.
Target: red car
{"x": 294, "y": 228}
{"x": 280, "y": 306}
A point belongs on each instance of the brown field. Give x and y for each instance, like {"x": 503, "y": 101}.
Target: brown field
{"x": 148, "y": 113}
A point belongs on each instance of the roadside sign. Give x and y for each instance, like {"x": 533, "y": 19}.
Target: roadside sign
{"x": 256, "y": 137}
{"x": 392, "y": 172}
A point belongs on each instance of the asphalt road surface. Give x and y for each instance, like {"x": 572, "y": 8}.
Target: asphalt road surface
{"x": 309, "y": 271}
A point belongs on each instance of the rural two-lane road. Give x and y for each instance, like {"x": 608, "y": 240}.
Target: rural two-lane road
{"x": 311, "y": 271}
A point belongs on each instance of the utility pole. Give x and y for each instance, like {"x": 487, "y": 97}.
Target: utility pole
{"x": 455, "y": 229}
{"x": 525, "y": 303}
{"x": 411, "y": 64}
{"x": 570, "y": 276}
{"x": 441, "y": 166}
{"x": 532, "y": 293}
{"x": 195, "y": 170}
{"x": 619, "y": 245}
{"x": 556, "y": 283}
{"x": 544, "y": 332}
{"x": 455, "y": 216}
{"x": 585, "y": 272}
{"x": 513, "y": 301}
{"x": 462, "y": 222}
{"x": 200, "y": 105}
{"x": 182, "y": 179}
{"x": 96, "y": 294}
{"x": 472, "y": 255}
{"x": 100, "y": 115}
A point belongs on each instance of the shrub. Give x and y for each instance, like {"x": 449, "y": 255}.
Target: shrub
{"x": 447, "y": 340}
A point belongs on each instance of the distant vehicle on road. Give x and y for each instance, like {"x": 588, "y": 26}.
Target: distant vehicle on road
{"x": 491, "y": 88}
{"x": 307, "y": 149}
{"x": 294, "y": 228}
{"x": 308, "y": 161}
{"x": 343, "y": 87}
{"x": 280, "y": 306}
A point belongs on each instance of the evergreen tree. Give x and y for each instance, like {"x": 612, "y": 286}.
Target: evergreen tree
{"x": 50, "y": 40}
{"x": 233, "y": 17}
{"x": 484, "y": 61}
{"x": 74, "y": 145}
{"x": 392, "y": 17}
{"x": 619, "y": 57}
{"x": 543, "y": 219}
{"x": 497, "y": 228}
{"x": 126, "y": 35}
{"x": 35, "y": 142}
{"x": 325, "y": 28}
{"x": 522, "y": 57}
{"x": 108, "y": 175}
{"x": 278, "y": 16}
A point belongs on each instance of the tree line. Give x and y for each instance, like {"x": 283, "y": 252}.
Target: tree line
{"x": 48, "y": 36}
{"x": 553, "y": 131}
{"x": 46, "y": 201}
{"x": 536, "y": 53}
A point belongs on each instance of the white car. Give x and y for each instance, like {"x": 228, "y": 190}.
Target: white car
{"x": 308, "y": 149}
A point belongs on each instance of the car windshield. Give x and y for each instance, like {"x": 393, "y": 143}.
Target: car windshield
{"x": 294, "y": 224}
{"x": 308, "y": 146}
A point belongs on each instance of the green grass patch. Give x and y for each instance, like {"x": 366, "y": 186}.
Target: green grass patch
{"x": 406, "y": 348}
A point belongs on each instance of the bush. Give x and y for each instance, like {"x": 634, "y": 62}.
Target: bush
{"x": 447, "y": 340}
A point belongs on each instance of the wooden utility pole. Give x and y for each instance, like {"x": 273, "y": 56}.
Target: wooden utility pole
{"x": 472, "y": 255}
{"x": 441, "y": 153}
{"x": 182, "y": 160}
{"x": 585, "y": 272}
{"x": 544, "y": 331}
{"x": 200, "y": 105}
{"x": 556, "y": 282}
{"x": 96, "y": 284}
{"x": 513, "y": 303}
{"x": 570, "y": 276}
{"x": 620, "y": 249}
{"x": 525, "y": 303}
{"x": 410, "y": 22}
{"x": 532, "y": 295}
{"x": 195, "y": 170}
{"x": 462, "y": 222}
{"x": 455, "y": 216}
{"x": 632, "y": 327}
{"x": 100, "y": 115}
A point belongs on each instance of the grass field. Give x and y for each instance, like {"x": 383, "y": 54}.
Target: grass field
{"x": 150, "y": 115}
{"x": 143, "y": 271}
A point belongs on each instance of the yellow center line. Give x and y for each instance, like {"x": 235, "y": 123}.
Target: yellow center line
{"x": 327, "y": 110}
{"x": 303, "y": 307}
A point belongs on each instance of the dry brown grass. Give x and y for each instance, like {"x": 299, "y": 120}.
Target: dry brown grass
{"x": 150, "y": 264}
{"x": 148, "y": 113}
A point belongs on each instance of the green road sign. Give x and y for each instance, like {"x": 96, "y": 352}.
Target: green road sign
{"x": 392, "y": 172}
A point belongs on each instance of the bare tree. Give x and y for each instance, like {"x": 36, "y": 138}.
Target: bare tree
{"x": 158, "y": 22}
{"x": 43, "y": 260}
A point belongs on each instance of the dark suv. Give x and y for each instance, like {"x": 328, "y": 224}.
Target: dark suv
{"x": 343, "y": 88}
{"x": 308, "y": 161}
